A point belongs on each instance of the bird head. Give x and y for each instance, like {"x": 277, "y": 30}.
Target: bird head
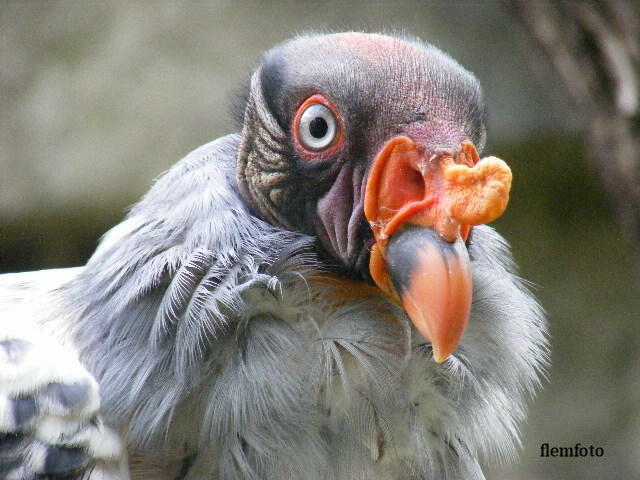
{"x": 370, "y": 143}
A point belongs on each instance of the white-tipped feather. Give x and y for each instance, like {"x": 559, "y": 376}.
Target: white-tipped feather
{"x": 47, "y": 397}
{"x": 103, "y": 443}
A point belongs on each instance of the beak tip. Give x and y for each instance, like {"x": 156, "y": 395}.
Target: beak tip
{"x": 438, "y": 355}
{"x": 440, "y": 361}
{"x": 433, "y": 280}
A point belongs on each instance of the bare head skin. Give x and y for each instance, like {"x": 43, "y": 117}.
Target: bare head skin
{"x": 393, "y": 144}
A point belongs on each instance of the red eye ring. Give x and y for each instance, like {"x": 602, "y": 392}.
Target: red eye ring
{"x": 336, "y": 142}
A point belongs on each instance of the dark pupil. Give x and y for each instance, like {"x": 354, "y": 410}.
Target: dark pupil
{"x": 318, "y": 127}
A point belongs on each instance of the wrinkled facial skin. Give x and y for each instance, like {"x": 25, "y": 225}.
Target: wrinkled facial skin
{"x": 381, "y": 87}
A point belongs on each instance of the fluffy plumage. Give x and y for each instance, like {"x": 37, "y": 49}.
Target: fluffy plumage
{"x": 220, "y": 354}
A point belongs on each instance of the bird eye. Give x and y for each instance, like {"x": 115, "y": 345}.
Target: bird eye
{"x": 317, "y": 127}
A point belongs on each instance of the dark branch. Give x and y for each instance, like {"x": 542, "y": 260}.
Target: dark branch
{"x": 593, "y": 47}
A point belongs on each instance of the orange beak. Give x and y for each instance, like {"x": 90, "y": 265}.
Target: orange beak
{"x": 421, "y": 211}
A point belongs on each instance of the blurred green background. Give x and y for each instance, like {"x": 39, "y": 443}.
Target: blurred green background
{"x": 98, "y": 98}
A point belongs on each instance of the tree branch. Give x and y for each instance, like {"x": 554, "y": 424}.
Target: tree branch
{"x": 594, "y": 49}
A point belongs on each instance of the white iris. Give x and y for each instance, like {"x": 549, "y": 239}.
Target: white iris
{"x": 317, "y": 127}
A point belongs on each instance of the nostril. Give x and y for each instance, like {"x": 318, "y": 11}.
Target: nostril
{"x": 403, "y": 182}
{"x": 400, "y": 186}
{"x": 415, "y": 185}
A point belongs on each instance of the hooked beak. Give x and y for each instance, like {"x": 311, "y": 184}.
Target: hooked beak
{"x": 421, "y": 210}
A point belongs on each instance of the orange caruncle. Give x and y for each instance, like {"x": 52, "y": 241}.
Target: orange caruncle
{"x": 479, "y": 194}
